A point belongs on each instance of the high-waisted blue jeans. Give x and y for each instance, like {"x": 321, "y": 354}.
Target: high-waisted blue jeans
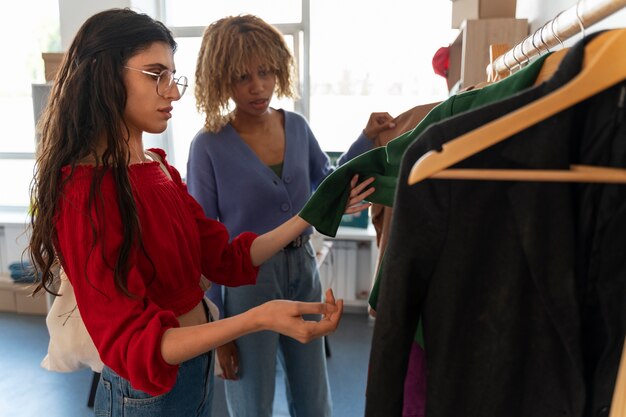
{"x": 192, "y": 394}
{"x": 291, "y": 274}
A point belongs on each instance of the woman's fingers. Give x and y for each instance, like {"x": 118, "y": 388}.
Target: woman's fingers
{"x": 229, "y": 360}
{"x": 330, "y": 299}
{"x": 302, "y": 308}
{"x": 357, "y": 198}
{"x": 287, "y": 317}
{"x": 311, "y": 330}
{"x": 357, "y": 189}
{"x": 330, "y": 296}
{"x": 358, "y": 193}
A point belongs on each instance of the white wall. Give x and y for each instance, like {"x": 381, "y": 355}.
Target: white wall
{"x": 73, "y": 13}
{"x": 539, "y": 12}
{"x": 13, "y": 241}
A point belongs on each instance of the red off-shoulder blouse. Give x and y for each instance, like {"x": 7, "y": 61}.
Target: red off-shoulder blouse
{"x": 179, "y": 244}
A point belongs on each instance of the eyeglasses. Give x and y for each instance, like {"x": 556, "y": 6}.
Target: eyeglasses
{"x": 165, "y": 80}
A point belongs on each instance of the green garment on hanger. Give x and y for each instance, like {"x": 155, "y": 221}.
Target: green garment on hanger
{"x": 500, "y": 90}
{"x": 326, "y": 206}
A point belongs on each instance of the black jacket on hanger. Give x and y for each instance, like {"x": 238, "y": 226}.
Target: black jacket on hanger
{"x": 520, "y": 285}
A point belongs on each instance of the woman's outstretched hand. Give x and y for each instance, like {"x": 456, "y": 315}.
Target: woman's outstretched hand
{"x": 286, "y": 317}
{"x": 358, "y": 193}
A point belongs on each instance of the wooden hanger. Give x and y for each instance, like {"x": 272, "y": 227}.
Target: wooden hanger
{"x": 496, "y": 50}
{"x": 604, "y": 65}
{"x": 550, "y": 65}
{"x": 618, "y": 403}
{"x": 552, "y": 62}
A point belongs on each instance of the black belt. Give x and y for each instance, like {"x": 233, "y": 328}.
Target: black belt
{"x": 298, "y": 242}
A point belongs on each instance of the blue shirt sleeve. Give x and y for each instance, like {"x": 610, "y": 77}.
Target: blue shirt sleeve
{"x": 361, "y": 145}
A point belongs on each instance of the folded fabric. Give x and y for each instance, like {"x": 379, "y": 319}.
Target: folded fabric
{"x": 19, "y": 266}
{"x": 22, "y": 272}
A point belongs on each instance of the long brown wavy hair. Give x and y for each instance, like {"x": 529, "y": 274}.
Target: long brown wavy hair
{"x": 228, "y": 47}
{"x": 87, "y": 103}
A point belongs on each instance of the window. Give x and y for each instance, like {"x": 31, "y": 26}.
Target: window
{"x": 187, "y": 19}
{"x": 187, "y": 13}
{"x": 187, "y": 121}
{"x": 367, "y": 57}
{"x": 33, "y": 28}
{"x": 353, "y": 58}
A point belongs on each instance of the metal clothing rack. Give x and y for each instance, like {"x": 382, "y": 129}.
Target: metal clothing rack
{"x": 566, "y": 24}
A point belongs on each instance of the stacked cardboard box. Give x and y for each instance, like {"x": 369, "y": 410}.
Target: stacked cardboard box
{"x": 481, "y": 9}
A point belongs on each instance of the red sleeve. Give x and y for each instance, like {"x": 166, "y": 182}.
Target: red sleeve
{"x": 126, "y": 331}
{"x": 222, "y": 262}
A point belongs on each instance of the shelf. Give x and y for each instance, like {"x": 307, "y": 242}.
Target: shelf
{"x": 14, "y": 216}
{"x": 355, "y": 233}
{"x": 469, "y": 52}
{"x": 359, "y": 266}
{"x": 16, "y": 298}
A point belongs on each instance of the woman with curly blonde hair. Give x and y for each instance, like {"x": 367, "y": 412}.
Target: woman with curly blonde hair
{"x": 252, "y": 167}
{"x": 134, "y": 244}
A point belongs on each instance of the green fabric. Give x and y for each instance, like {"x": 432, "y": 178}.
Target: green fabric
{"x": 463, "y": 102}
{"x": 326, "y": 206}
{"x": 278, "y": 169}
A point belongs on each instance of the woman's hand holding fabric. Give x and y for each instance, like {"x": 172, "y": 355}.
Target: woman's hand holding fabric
{"x": 358, "y": 193}
{"x": 378, "y": 122}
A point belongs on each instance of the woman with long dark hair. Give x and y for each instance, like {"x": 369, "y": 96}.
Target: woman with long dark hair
{"x": 133, "y": 243}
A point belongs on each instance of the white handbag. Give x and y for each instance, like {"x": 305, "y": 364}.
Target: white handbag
{"x": 70, "y": 347}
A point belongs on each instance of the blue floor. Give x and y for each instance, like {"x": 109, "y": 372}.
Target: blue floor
{"x": 27, "y": 390}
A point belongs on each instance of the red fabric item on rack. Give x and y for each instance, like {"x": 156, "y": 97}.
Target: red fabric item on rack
{"x": 441, "y": 60}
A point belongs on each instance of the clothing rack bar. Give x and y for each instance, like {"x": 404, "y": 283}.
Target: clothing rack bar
{"x": 565, "y": 25}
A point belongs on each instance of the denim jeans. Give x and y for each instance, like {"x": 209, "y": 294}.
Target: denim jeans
{"x": 290, "y": 274}
{"x": 192, "y": 395}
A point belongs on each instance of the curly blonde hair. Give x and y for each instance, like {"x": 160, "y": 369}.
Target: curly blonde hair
{"x": 228, "y": 47}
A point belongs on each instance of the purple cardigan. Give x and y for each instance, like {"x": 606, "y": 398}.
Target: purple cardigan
{"x": 233, "y": 186}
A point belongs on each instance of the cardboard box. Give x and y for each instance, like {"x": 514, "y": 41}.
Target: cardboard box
{"x": 481, "y": 9}
{"x": 7, "y": 300}
{"x": 51, "y": 63}
{"x": 25, "y": 303}
{"x": 16, "y": 298}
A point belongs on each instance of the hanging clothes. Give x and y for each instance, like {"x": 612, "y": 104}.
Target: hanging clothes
{"x": 325, "y": 207}
{"x": 415, "y": 380}
{"x": 520, "y": 285}
{"x": 460, "y": 103}
{"x": 457, "y": 104}
{"x": 404, "y": 122}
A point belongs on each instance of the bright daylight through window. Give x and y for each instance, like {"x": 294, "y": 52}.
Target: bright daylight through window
{"x": 353, "y": 58}
{"x": 32, "y": 27}
{"x": 361, "y": 58}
